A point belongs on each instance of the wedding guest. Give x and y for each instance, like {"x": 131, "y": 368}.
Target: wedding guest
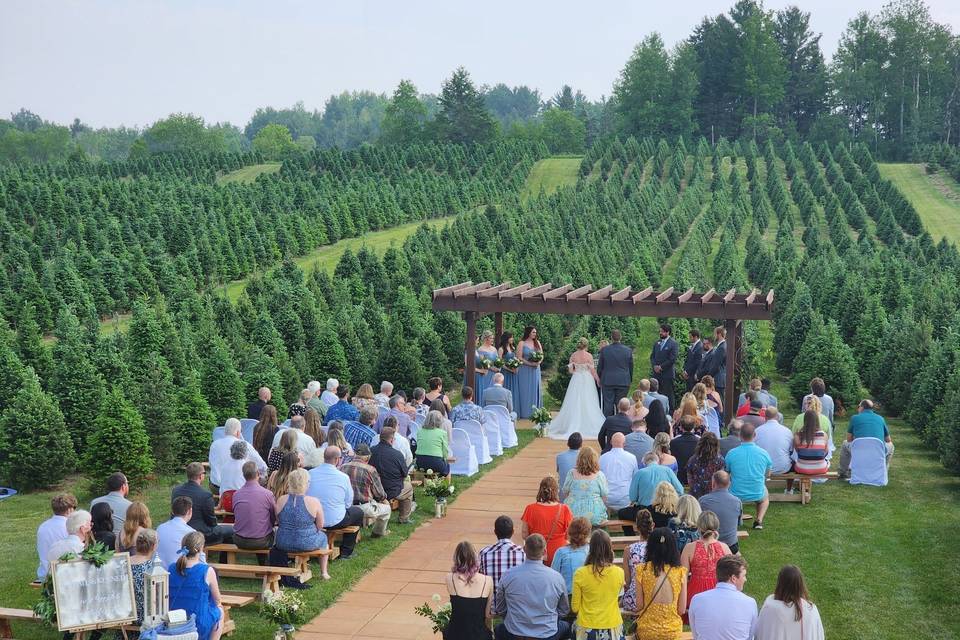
{"x": 664, "y": 504}
{"x": 596, "y": 590}
{"x": 361, "y": 431}
{"x": 436, "y": 393}
{"x": 254, "y": 512}
{"x": 732, "y": 439}
{"x": 231, "y": 474}
{"x": 497, "y": 394}
{"x": 264, "y": 431}
{"x": 749, "y": 466}
{"x": 138, "y": 518}
{"x": 819, "y": 389}
{"x": 438, "y": 406}
{"x": 788, "y": 614}
{"x": 619, "y": 422}
{"x": 300, "y": 524}
{"x": 661, "y": 447}
{"x": 585, "y": 488}
{"x": 654, "y": 394}
{"x": 684, "y": 525}
{"x": 714, "y": 399}
{"x": 547, "y": 516}
{"x": 638, "y": 411}
{"x": 657, "y": 422}
{"x": 812, "y": 403}
{"x": 568, "y": 459}
{"x": 364, "y": 398}
{"x": 277, "y": 482}
{"x": 727, "y": 508}
{"x": 724, "y": 611}
{"x": 644, "y": 485}
{"x": 531, "y": 597}
{"x": 634, "y": 556}
{"x": 118, "y": 488}
{"x": 467, "y": 409}
{"x": 141, "y": 561}
{"x": 386, "y": 392}
{"x": 342, "y": 409}
{"x": 570, "y": 557}
{"x": 397, "y": 410}
{"x": 700, "y": 557}
{"x": 483, "y": 379}
{"x": 368, "y": 493}
{"x": 705, "y": 461}
{"x": 638, "y": 442}
{"x": 78, "y": 526}
{"x": 420, "y": 405}
{"x": 618, "y": 467}
{"x": 528, "y": 377}
{"x": 508, "y": 351}
{"x": 171, "y": 533}
{"x": 394, "y": 474}
{"x": 683, "y": 446}
{"x": 219, "y": 453}
{"x": 689, "y": 409}
{"x": 315, "y": 403}
{"x": 54, "y": 529}
{"x": 398, "y": 441}
{"x": 777, "y": 441}
{"x": 194, "y": 588}
{"x": 304, "y": 443}
{"x": 312, "y": 427}
{"x": 811, "y": 446}
{"x": 661, "y": 589}
{"x": 498, "y": 558}
{"x": 329, "y": 395}
{"x": 203, "y": 518}
{"x": 470, "y": 593}
{"x": 336, "y": 438}
{"x": 299, "y": 407}
{"x": 432, "y": 445}
{"x": 102, "y": 524}
{"x": 286, "y": 444}
{"x": 332, "y": 488}
{"x": 263, "y": 399}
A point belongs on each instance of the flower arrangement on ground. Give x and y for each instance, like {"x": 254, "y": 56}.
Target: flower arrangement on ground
{"x": 285, "y": 607}
{"x": 440, "y": 618}
{"x": 541, "y": 418}
{"x": 439, "y": 487}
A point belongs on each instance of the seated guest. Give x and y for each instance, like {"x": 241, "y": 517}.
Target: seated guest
{"x": 299, "y": 407}
{"x": 699, "y": 557}
{"x": 433, "y": 448}
{"x": 400, "y": 443}
{"x": 619, "y": 422}
{"x": 547, "y": 516}
{"x": 709, "y": 415}
{"x": 754, "y": 385}
{"x": 652, "y": 392}
{"x": 170, "y": 534}
{"x": 78, "y": 526}
{"x": 618, "y": 467}
{"x": 396, "y": 411}
{"x": 300, "y": 522}
{"x": 818, "y": 389}
{"x": 812, "y": 403}
{"x": 469, "y": 597}
{"x": 194, "y": 588}
{"x": 683, "y": 446}
{"x": 361, "y": 432}
{"x": 747, "y": 405}
{"x": 420, "y": 406}
{"x": 54, "y": 529}
{"x": 203, "y": 518}
{"x": 713, "y": 396}
{"x": 118, "y": 488}
{"x": 570, "y": 557}
{"x": 138, "y": 518}
{"x": 638, "y": 411}
{"x": 725, "y": 612}
{"x": 277, "y": 482}
{"x": 435, "y": 392}
{"x": 363, "y": 398}
{"x": 788, "y": 612}
{"x": 335, "y": 438}
{"x": 633, "y": 557}
{"x": 777, "y": 441}
{"x": 497, "y": 394}
{"x": 393, "y": 470}
{"x": 408, "y": 409}
{"x": 531, "y": 598}
{"x": 638, "y": 442}
{"x": 596, "y": 590}
{"x": 467, "y": 410}
{"x": 263, "y": 399}
{"x": 689, "y": 408}
{"x": 254, "y": 511}
{"x": 312, "y": 427}
{"x": 732, "y": 440}
{"x": 727, "y": 507}
{"x": 749, "y": 467}
{"x": 304, "y": 443}
{"x": 684, "y": 525}
{"x": 264, "y": 431}
{"x": 498, "y": 558}
{"x": 705, "y": 461}
{"x": 756, "y": 416}
{"x": 386, "y": 392}
{"x": 102, "y": 516}
{"x": 439, "y": 406}
{"x": 332, "y": 488}
{"x": 585, "y": 488}
{"x": 368, "y": 493}
{"x": 219, "y": 455}
{"x": 661, "y": 588}
{"x": 664, "y": 504}
{"x": 657, "y": 421}
{"x": 768, "y": 398}
{"x": 141, "y": 561}
{"x": 866, "y": 424}
{"x": 315, "y": 403}
{"x": 810, "y": 446}
{"x": 568, "y": 459}
{"x": 286, "y": 444}
{"x": 231, "y": 473}
{"x": 329, "y": 395}
{"x": 342, "y": 409}
{"x": 643, "y": 488}
{"x": 661, "y": 446}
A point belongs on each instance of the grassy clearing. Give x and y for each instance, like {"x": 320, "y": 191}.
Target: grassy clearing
{"x": 250, "y": 173}
{"x": 550, "y": 174}
{"x": 936, "y": 198}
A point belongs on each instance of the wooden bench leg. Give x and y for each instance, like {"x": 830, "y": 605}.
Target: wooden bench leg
{"x": 806, "y": 491}
{"x": 271, "y": 582}
{"x": 5, "y": 630}
{"x": 302, "y": 563}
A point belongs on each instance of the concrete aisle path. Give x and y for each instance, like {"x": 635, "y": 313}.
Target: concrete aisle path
{"x": 381, "y": 604}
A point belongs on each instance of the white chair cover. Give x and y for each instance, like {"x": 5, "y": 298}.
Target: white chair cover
{"x": 868, "y": 462}
{"x": 246, "y": 429}
{"x": 712, "y": 421}
{"x": 477, "y": 436}
{"x": 218, "y": 433}
{"x": 493, "y": 433}
{"x": 463, "y": 450}
{"x": 508, "y": 430}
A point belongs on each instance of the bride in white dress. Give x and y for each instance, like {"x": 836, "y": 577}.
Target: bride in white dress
{"x": 581, "y": 405}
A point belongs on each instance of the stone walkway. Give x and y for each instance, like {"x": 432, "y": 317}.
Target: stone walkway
{"x": 381, "y": 604}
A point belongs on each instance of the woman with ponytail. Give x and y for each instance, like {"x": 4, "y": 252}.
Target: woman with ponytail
{"x": 634, "y": 556}
{"x": 194, "y": 588}
{"x": 700, "y": 556}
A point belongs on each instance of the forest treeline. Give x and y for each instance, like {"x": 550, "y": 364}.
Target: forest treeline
{"x": 749, "y": 74}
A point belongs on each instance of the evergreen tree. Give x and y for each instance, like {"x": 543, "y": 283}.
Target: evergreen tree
{"x": 195, "y": 421}
{"x": 118, "y": 442}
{"x": 75, "y": 383}
{"x": 327, "y": 360}
{"x": 220, "y": 382}
{"x": 463, "y": 115}
{"x": 399, "y": 359}
{"x": 11, "y": 370}
{"x": 156, "y": 402}
{"x": 825, "y": 355}
{"x": 791, "y": 329}
{"x": 405, "y": 116}
{"x": 29, "y": 345}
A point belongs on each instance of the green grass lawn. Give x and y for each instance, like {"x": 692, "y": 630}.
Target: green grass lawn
{"x": 250, "y": 173}
{"x": 550, "y": 174}
{"x": 21, "y": 514}
{"x": 936, "y": 198}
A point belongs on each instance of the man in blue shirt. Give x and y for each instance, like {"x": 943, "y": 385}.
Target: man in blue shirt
{"x": 644, "y": 485}
{"x": 866, "y": 424}
{"x": 467, "y": 410}
{"x": 332, "y": 488}
{"x": 532, "y": 598}
{"x": 361, "y": 432}
{"x": 568, "y": 459}
{"x": 342, "y": 410}
{"x": 749, "y": 466}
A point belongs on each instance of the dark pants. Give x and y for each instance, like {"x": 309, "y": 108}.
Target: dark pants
{"x": 666, "y": 388}
{"x": 735, "y": 547}
{"x": 691, "y": 381}
{"x": 438, "y": 464}
{"x": 611, "y": 396}
{"x": 629, "y": 513}
{"x": 563, "y": 630}
{"x": 255, "y": 544}
{"x": 353, "y": 518}
{"x": 220, "y": 533}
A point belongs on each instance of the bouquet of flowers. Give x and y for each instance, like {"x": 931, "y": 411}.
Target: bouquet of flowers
{"x": 284, "y": 607}
{"x": 440, "y": 618}
{"x": 438, "y": 487}
{"x": 540, "y": 417}
{"x": 485, "y": 363}
{"x": 536, "y": 356}
{"x": 498, "y": 362}
{"x": 512, "y": 363}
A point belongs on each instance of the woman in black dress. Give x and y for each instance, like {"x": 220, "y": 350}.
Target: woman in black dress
{"x": 470, "y": 594}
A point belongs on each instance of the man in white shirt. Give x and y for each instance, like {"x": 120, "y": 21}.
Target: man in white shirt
{"x": 329, "y": 396}
{"x": 724, "y": 612}
{"x": 618, "y": 465}
{"x": 776, "y": 440}
{"x": 53, "y": 529}
{"x": 383, "y": 398}
{"x": 400, "y": 443}
{"x": 219, "y": 455}
{"x": 305, "y": 443}
{"x": 170, "y": 534}
{"x": 79, "y": 524}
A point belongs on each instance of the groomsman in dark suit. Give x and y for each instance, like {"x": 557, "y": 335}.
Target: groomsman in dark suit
{"x": 694, "y": 356}
{"x": 663, "y": 359}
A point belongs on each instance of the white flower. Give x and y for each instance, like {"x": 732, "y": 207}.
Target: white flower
{"x": 436, "y": 597}
{"x": 451, "y": 488}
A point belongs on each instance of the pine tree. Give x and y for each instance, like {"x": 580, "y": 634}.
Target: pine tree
{"x": 220, "y": 382}
{"x": 118, "y": 442}
{"x": 195, "y": 421}
{"x": 825, "y": 355}
{"x": 29, "y": 345}
{"x": 156, "y": 402}
{"x": 399, "y": 359}
{"x": 928, "y": 391}
{"x": 327, "y": 359}
{"x": 11, "y": 370}
{"x": 463, "y": 115}
{"x": 791, "y": 330}
{"x": 75, "y": 382}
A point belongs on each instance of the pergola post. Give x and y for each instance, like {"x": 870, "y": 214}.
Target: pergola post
{"x": 730, "y": 388}
{"x": 470, "y": 349}
{"x": 497, "y": 327}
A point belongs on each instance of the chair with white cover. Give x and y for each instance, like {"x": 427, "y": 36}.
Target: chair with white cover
{"x": 868, "y": 462}
{"x": 477, "y": 436}
{"x": 508, "y": 429}
{"x": 492, "y": 429}
{"x": 246, "y": 429}
{"x": 466, "y": 455}
{"x": 218, "y": 433}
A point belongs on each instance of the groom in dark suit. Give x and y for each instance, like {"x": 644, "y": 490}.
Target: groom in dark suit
{"x": 692, "y": 362}
{"x": 615, "y": 369}
{"x": 663, "y": 358}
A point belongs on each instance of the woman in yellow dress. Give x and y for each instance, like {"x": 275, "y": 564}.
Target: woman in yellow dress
{"x": 596, "y": 589}
{"x": 661, "y": 589}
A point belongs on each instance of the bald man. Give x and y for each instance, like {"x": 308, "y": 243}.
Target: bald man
{"x": 620, "y": 422}
{"x": 618, "y": 465}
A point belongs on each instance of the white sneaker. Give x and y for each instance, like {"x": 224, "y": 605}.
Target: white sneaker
{"x": 788, "y": 492}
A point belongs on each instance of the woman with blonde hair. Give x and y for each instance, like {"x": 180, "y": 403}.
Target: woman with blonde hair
{"x": 661, "y": 446}
{"x": 194, "y": 588}
{"x": 664, "y": 506}
{"x": 689, "y": 406}
{"x": 364, "y": 397}
{"x": 336, "y": 438}
{"x": 580, "y": 411}
{"x": 596, "y": 590}
{"x": 585, "y": 488}
{"x": 265, "y": 430}
{"x": 684, "y": 524}
{"x": 300, "y": 520}
{"x": 138, "y": 518}
{"x": 547, "y": 516}
{"x": 311, "y": 426}
{"x": 700, "y": 557}
{"x": 637, "y": 411}
{"x": 484, "y": 375}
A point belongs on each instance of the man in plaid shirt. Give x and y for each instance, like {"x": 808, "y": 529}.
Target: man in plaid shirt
{"x": 357, "y": 433}
{"x": 498, "y": 558}
{"x": 368, "y": 493}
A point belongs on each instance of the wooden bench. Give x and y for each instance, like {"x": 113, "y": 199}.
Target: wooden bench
{"x": 270, "y": 576}
{"x": 7, "y": 615}
{"x": 803, "y": 486}
{"x": 620, "y": 543}
{"x": 301, "y": 559}
{"x": 617, "y": 524}
{"x": 335, "y": 536}
{"x": 227, "y": 602}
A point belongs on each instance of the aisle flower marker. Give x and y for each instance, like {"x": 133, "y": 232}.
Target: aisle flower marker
{"x": 540, "y": 417}
{"x": 440, "y": 488}
{"x": 440, "y": 618}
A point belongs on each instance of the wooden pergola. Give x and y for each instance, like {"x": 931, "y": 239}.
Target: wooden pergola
{"x": 475, "y": 300}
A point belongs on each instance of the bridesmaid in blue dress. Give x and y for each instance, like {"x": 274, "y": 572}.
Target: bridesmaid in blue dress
{"x": 506, "y": 351}
{"x": 484, "y": 377}
{"x": 528, "y": 377}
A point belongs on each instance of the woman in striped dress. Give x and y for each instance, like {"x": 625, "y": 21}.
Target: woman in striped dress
{"x": 811, "y": 446}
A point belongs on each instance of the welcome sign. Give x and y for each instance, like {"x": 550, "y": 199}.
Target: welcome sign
{"x": 91, "y": 597}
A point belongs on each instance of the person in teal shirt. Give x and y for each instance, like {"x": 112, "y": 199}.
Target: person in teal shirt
{"x": 866, "y": 424}
{"x": 644, "y": 485}
{"x": 749, "y": 466}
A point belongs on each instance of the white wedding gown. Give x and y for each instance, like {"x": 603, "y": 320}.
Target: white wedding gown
{"x": 581, "y": 407}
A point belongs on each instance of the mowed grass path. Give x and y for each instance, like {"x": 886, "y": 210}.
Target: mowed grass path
{"x": 940, "y": 214}
{"x": 249, "y": 173}
{"x": 550, "y": 174}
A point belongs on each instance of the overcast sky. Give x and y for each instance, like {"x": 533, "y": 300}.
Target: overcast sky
{"x": 112, "y": 62}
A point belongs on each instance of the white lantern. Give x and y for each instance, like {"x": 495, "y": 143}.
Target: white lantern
{"x": 156, "y": 584}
